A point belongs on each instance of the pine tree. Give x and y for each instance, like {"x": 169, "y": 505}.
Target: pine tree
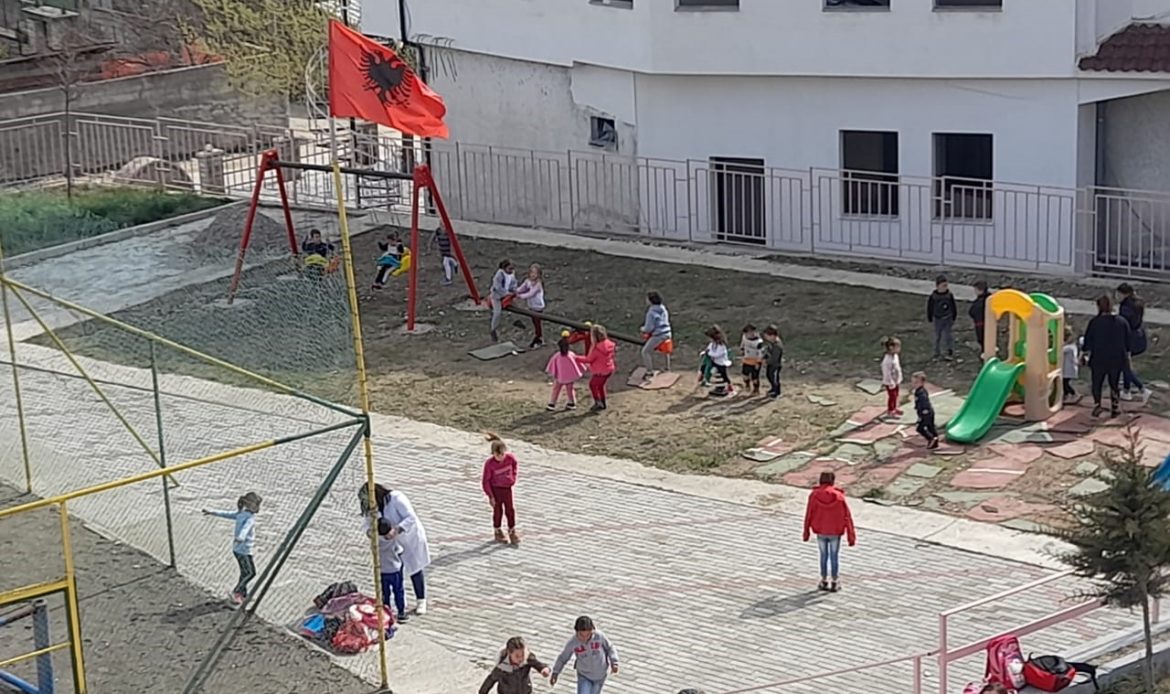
{"x": 1121, "y": 538}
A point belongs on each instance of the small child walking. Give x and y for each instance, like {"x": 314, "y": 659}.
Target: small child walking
{"x": 500, "y": 472}
{"x": 532, "y": 291}
{"x": 925, "y": 410}
{"x": 565, "y": 370}
{"x": 243, "y": 540}
{"x": 1070, "y": 364}
{"x": 596, "y": 658}
{"x": 443, "y": 240}
{"x": 892, "y": 375}
{"x": 751, "y": 348}
{"x": 978, "y": 311}
{"x": 390, "y": 568}
{"x": 601, "y": 362}
{"x": 773, "y": 359}
{"x": 513, "y": 673}
{"x": 720, "y": 358}
{"x": 941, "y": 312}
{"x": 503, "y": 285}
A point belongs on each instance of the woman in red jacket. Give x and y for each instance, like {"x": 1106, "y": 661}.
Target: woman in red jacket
{"x": 600, "y": 363}
{"x": 828, "y": 516}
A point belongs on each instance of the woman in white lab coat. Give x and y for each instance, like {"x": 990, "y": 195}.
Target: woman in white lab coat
{"x": 407, "y": 529}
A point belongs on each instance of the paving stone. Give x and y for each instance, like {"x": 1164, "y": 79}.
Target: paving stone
{"x": 851, "y": 453}
{"x": 1024, "y": 525}
{"x": 923, "y": 470}
{"x": 786, "y": 464}
{"x": 1005, "y": 508}
{"x": 820, "y": 400}
{"x": 867, "y": 415}
{"x": 808, "y": 476}
{"x": 1023, "y": 453}
{"x": 1015, "y": 466}
{"x": 967, "y": 499}
{"x": 886, "y": 448}
{"x": 1086, "y": 468}
{"x": 1088, "y": 487}
{"x": 904, "y": 486}
{"x": 1154, "y": 427}
{"x": 871, "y": 386}
{"x": 983, "y": 479}
{"x": 1073, "y": 449}
{"x": 948, "y": 449}
{"x": 871, "y": 434}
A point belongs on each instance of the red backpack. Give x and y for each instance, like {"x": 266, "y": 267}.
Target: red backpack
{"x": 1051, "y": 673}
{"x": 1005, "y": 662}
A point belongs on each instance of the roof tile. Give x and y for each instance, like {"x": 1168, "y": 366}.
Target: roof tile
{"x": 1137, "y": 48}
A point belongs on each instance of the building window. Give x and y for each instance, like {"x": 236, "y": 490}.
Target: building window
{"x": 857, "y": 4}
{"x": 869, "y": 180}
{"x": 968, "y": 5}
{"x": 706, "y": 4}
{"x": 602, "y": 133}
{"x": 963, "y": 170}
{"x": 737, "y": 199}
{"x": 624, "y": 4}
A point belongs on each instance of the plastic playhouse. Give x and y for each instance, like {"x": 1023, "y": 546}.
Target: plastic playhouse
{"x": 1030, "y": 373}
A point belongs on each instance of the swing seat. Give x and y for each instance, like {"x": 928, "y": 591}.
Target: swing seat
{"x": 315, "y": 260}
{"x": 403, "y": 265}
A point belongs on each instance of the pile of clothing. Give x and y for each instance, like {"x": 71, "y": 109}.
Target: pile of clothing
{"x": 345, "y": 621}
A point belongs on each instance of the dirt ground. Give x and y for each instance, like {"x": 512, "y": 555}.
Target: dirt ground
{"x": 144, "y": 627}
{"x": 297, "y": 332}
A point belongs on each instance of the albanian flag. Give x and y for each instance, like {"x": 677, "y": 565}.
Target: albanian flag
{"x": 369, "y": 81}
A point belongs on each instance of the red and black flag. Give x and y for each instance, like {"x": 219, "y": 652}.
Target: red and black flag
{"x": 369, "y": 81}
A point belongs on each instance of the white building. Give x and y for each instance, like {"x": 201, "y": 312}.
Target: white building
{"x": 958, "y": 131}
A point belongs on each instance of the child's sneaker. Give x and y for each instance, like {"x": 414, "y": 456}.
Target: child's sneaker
{"x": 500, "y": 536}
{"x": 551, "y": 407}
{"x": 1126, "y": 395}
{"x": 934, "y": 443}
{"x": 236, "y": 598}
{"x": 1145, "y": 394}
{"x": 571, "y": 406}
{"x": 596, "y": 407}
{"x": 445, "y": 282}
{"x": 376, "y": 285}
{"x": 898, "y": 413}
{"x": 513, "y": 536}
{"x": 536, "y": 343}
{"x": 495, "y": 336}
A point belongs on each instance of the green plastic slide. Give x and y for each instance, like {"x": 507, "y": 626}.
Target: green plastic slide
{"x": 988, "y": 395}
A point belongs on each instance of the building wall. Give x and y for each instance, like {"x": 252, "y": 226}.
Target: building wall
{"x": 1137, "y": 142}
{"x": 1032, "y": 38}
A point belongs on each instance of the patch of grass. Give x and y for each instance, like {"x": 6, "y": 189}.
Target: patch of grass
{"x": 30, "y": 221}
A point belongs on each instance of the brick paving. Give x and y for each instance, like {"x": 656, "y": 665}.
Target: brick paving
{"x": 692, "y": 590}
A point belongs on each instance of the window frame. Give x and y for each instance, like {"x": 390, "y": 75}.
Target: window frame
{"x": 826, "y": 7}
{"x": 981, "y": 190}
{"x": 858, "y": 185}
{"x": 619, "y": 4}
{"x": 978, "y": 6}
{"x": 707, "y": 6}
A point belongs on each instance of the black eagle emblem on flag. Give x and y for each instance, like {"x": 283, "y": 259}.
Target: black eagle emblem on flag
{"x": 389, "y": 78}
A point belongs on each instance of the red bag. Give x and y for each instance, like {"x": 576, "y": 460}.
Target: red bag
{"x": 1051, "y": 673}
{"x": 351, "y": 638}
{"x": 1005, "y": 662}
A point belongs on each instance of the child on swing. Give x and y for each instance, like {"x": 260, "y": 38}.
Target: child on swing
{"x": 390, "y": 260}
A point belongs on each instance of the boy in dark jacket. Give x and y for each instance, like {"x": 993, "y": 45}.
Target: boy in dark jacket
{"x": 773, "y": 359}
{"x": 925, "y": 410}
{"x": 315, "y": 245}
{"x": 1133, "y": 311}
{"x": 978, "y": 311}
{"x": 941, "y": 311}
{"x": 513, "y": 674}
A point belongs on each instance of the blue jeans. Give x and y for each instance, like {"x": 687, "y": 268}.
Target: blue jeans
{"x": 587, "y": 686}
{"x": 1129, "y": 379}
{"x": 830, "y": 546}
{"x": 394, "y": 586}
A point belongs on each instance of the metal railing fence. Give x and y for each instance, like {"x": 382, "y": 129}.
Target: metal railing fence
{"x": 941, "y": 221}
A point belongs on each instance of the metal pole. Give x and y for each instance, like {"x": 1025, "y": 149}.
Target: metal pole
{"x": 15, "y": 379}
{"x": 41, "y": 640}
{"x": 364, "y": 396}
{"x": 72, "y": 606}
{"x": 162, "y": 454}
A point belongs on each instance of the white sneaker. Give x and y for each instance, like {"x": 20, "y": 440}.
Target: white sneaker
{"x": 1126, "y": 395}
{"x": 1145, "y": 395}
{"x": 420, "y": 607}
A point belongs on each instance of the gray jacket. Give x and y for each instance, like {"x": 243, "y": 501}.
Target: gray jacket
{"x": 594, "y": 657}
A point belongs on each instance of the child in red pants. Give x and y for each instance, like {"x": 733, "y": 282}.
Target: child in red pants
{"x": 499, "y": 477}
{"x": 892, "y": 374}
{"x": 600, "y": 363}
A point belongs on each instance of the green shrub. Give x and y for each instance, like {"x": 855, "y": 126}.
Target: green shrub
{"x": 29, "y": 221}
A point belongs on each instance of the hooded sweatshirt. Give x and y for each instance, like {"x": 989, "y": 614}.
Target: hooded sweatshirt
{"x": 601, "y": 359}
{"x": 657, "y": 322}
{"x": 499, "y": 473}
{"x": 244, "y": 535}
{"x": 533, "y": 293}
{"x": 828, "y": 514}
{"x": 594, "y": 657}
{"x": 512, "y": 679}
{"x": 564, "y": 368}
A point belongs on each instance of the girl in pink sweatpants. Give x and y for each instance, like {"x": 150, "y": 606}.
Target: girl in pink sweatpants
{"x": 565, "y": 371}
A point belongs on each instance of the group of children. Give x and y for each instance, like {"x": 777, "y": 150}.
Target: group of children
{"x": 594, "y": 657}
{"x": 758, "y": 354}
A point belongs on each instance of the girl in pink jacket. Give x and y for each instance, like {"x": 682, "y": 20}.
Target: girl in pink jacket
{"x": 565, "y": 371}
{"x": 601, "y": 363}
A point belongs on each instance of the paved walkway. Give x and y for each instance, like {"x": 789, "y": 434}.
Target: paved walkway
{"x": 697, "y": 580}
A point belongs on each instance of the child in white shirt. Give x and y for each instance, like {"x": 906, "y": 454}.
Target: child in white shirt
{"x": 751, "y": 347}
{"x": 1069, "y": 364}
{"x": 720, "y": 357}
{"x": 892, "y": 375}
